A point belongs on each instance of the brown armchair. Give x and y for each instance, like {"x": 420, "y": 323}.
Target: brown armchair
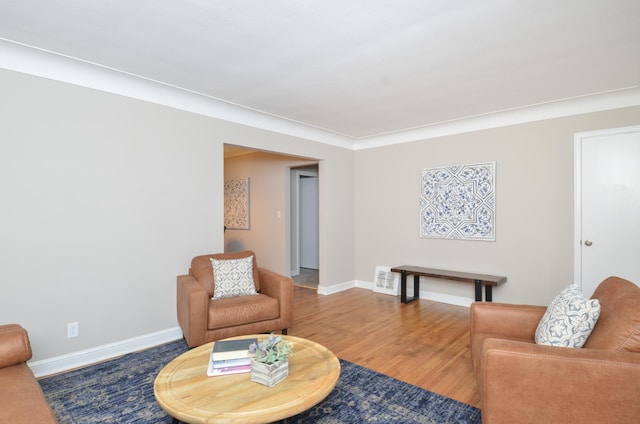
{"x": 520, "y": 381}
{"x": 204, "y": 319}
{"x": 21, "y": 397}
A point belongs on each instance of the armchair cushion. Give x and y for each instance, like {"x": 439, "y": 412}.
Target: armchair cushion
{"x": 233, "y": 277}
{"x": 234, "y": 311}
{"x": 569, "y": 319}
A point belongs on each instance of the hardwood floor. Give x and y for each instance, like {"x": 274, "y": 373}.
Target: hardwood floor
{"x": 423, "y": 343}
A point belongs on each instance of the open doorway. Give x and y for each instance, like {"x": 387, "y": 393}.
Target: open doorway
{"x": 274, "y": 209}
{"x": 305, "y": 226}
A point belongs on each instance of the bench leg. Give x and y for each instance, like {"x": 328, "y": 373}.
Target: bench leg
{"x": 488, "y": 294}
{"x": 403, "y": 287}
{"x": 478, "y": 284}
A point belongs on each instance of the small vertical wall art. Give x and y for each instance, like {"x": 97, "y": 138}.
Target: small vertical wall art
{"x": 236, "y": 204}
{"x": 458, "y": 202}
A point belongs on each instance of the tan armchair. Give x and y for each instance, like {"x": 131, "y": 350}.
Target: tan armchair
{"x": 21, "y": 397}
{"x": 522, "y": 382}
{"x": 204, "y": 319}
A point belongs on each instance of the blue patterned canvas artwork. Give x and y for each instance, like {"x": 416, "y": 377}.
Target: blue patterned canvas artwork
{"x": 458, "y": 202}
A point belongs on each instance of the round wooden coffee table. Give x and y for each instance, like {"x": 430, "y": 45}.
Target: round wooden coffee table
{"x": 184, "y": 391}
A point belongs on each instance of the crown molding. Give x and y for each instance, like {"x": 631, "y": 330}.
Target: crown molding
{"x": 29, "y": 60}
{"x": 616, "y": 99}
{"x": 33, "y": 61}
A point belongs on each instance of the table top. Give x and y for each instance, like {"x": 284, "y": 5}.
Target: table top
{"x": 183, "y": 389}
{"x": 493, "y": 280}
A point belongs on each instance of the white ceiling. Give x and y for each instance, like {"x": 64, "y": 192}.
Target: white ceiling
{"x": 357, "y": 69}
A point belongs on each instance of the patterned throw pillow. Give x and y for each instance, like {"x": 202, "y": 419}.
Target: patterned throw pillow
{"x": 233, "y": 277}
{"x": 569, "y": 319}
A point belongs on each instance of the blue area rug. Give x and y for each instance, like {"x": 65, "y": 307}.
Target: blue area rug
{"x": 121, "y": 391}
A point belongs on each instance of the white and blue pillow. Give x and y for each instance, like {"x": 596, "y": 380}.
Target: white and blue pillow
{"x": 569, "y": 319}
{"x": 233, "y": 277}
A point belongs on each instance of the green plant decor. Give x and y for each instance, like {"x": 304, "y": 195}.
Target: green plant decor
{"x": 272, "y": 350}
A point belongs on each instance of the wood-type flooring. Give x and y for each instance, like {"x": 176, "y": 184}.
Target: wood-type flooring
{"x": 423, "y": 343}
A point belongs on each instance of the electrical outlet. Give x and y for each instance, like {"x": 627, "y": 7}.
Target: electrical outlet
{"x": 72, "y": 330}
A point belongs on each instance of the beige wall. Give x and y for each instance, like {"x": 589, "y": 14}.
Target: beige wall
{"x": 105, "y": 199}
{"x": 96, "y": 217}
{"x": 534, "y": 206}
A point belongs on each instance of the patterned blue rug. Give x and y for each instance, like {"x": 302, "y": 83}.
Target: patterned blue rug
{"x": 121, "y": 391}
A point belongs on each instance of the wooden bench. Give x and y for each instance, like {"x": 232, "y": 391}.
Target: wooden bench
{"x": 479, "y": 280}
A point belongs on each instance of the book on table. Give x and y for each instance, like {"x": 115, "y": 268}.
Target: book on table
{"x": 226, "y": 363}
{"x": 231, "y": 349}
{"x": 212, "y": 372}
{"x": 230, "y": 357}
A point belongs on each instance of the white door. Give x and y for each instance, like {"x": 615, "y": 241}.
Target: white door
{"x": 607, "y": 206}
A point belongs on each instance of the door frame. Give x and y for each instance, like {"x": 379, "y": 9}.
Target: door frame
{"x": 578, "y": 138}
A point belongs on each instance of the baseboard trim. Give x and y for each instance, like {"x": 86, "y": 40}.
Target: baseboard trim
{"x": 336, "y": 288}
{"x": 424, "y": 294}
{"x": 86, "y": 357}
{"x": 364, "y": 284}
{"x": 446, "y": 298}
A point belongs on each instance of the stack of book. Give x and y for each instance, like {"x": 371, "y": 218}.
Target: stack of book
{"x": 230, "y": 357}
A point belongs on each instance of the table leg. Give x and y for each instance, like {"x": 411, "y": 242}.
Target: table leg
{"x": 478, "y": 284}
{"x": 416, "y": 287}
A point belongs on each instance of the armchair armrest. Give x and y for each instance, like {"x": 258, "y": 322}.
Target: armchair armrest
{"x": 280, "y": 287}
{"x": 192, "y": 305}
{"x": 506, "y": 320}
{"x": 524, "y": 382}
{"x": 14, "y": 345}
